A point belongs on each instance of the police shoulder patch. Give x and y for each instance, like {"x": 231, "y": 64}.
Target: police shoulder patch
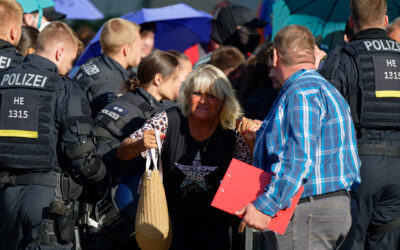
{"x": 117, "y": 109}
{"x": 91, "y": 69}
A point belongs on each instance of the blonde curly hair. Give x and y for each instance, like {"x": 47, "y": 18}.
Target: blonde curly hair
{"x": 208, "y": 78}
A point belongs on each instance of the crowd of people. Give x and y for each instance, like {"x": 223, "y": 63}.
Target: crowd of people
{"x": 73, "y": 144}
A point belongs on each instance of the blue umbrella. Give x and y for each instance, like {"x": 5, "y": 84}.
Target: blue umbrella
{"x": 322, "y": 17}
{"x": 393, "y": 9}
{"x": 78, "y": 9}
{"x": 179, "y": 26}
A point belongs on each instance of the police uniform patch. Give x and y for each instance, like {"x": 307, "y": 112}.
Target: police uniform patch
{"x": 19, "y": 115}
{"x": 117, "y": 109}
{"x": 90, "y": 69}
{"x": 387, "y": 76}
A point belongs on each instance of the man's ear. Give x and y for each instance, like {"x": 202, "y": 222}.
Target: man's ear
{"x": 125, "y": 50}
{"x": 13, "y": 35}
{"x": 27, "y": 19}
{"x": 386, "y": 21}
{"x": 60, "y": 53}
{"x": 275, "y": 58}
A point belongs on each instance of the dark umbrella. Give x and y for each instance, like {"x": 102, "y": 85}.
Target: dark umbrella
{"x": 322, "y": 17}
{"x": 179, "y": 26}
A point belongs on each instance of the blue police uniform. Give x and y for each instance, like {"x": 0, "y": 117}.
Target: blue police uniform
{"x": 367, "y": 73}
{"x": 46, "y": 153}
{"x": 9, "y": 55}
{"x": 103, "y": 80}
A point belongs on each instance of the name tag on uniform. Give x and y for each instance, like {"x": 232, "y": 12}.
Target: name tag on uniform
{"x": 19, "y": 115}
{"x": 387, "y": 76}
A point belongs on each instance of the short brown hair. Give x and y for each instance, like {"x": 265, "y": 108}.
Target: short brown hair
{"x": 295, "y": 44}
{"x": 10, "y": 11}
{"x": 393, "y": 26}
{"x": 56, "y": 32}
{"x": 367, "y": 12}
{"x": 227, "y": 57}
{"x": 116, "y": 33}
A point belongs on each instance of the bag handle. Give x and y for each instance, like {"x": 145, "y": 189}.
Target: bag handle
{"x": 152, "y": 156}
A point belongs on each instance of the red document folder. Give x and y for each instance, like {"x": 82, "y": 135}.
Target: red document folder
{"x": 241, "y": 185}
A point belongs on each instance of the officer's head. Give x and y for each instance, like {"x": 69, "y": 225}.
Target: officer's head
{"x": 368, "y": 14}
{"x": 293, "y": 46}
{"x": 120, "y": 39}
{"x": 10, "y": 21}
{"x": 58, "y": 43}
{"x": 159, "y": 74}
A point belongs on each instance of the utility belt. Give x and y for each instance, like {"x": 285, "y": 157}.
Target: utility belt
{"x": 341, "y": 192}
{"x": 61, "y": 226}
{"x": 385, "y": 228}
{"x": 378, "y": 149}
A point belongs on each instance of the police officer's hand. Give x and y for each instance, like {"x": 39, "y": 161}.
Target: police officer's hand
{"x": 149, "y": 139}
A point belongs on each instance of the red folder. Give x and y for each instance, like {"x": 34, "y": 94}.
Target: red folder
{"x": 242, "y": 184}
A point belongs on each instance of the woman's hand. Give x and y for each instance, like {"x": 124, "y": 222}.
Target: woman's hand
{"x": 248, "y": 129}
{"x": 149, "y": 139}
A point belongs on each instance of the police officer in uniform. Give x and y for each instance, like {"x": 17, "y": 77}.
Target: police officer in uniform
{"x": 10, "y": 33}
{"x": 159, "y": 79}
{"x": 46, "y": 147}
{"x": 104, "y": 78}
{"x": 367, "y": 73}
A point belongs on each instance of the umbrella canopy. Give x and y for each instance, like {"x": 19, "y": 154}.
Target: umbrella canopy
{"x": 179, "y": 26}
{"x": 78, "y": 9}
{"x": 325, "y": 18}
{"x": 393, "y": 9}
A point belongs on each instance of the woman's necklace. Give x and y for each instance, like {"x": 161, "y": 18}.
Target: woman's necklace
{"x": 205, "y": 144}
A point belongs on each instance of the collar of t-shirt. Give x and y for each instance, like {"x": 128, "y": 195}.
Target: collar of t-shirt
{"x": 373, "y": 33}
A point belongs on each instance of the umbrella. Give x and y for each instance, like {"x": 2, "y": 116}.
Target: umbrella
{"x": 78, "y": 9}
{"x": 393, "y": 9}
{"x": 179, "y": 26}
{"x": 325, "y": 18}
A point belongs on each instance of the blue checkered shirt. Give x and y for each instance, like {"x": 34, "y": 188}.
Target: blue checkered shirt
{"x": 308, "y": 138}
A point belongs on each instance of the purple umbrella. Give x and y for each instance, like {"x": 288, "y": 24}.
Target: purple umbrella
{"x": 179, "y": 26}
{"x": 78, "y": 9}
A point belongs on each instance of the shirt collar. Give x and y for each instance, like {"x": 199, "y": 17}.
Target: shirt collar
{"x": 293, "y": 78}
{"x": 41, "y": 63}
{"x": 370, "y": 33}
{"x": 4, "y": 44}
{"x": 115, "y": 66}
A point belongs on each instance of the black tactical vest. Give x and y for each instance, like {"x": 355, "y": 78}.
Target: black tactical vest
{"x": 28, "y": 131}
{"x": 9, "y": 56}
{"x": 377, "y": 104}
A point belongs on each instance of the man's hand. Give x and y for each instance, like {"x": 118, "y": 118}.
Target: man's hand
{"x": 252, "y": 217}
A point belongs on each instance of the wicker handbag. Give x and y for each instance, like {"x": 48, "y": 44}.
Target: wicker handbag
{"x": 153, "y": 225}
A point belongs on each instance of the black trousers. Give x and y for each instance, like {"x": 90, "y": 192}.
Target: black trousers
{"x": 23, "y": 209}
{"x": 378, "y": 200}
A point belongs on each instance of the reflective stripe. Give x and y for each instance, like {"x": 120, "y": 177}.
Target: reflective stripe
{"x": 19, "y": 133}
{"x": 387, "y": 93}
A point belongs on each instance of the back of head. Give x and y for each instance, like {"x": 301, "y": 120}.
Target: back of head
{"x": 10, "y": 14}
{"x": 116, "y": 33}
{"x": 367, "y": 13}
{"x": 157, "y": 62}
{"x": 56, "y": 33}
{"x": 227, "y": 58}
{"x": 295, "y": 45}
{"x": 28, "y": 39}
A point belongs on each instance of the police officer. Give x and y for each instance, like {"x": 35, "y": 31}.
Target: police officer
{"x": 367, "y": 73}
{"x": 46, "y": 147}
{"x": 10, "y": 33}
{"x": 159, "y": 79}
{"x": 104, "y": 78}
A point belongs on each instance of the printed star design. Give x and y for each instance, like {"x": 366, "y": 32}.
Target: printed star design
{"x": 195, "y": 174}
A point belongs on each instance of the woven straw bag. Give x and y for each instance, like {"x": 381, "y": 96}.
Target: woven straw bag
{"x": 153, "y": 228}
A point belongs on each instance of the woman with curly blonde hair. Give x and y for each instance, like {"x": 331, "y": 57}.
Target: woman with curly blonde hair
{"x": 200, "y": 142}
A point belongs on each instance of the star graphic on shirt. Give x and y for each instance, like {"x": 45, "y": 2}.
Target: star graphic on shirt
{"x": 195, "y": 174}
